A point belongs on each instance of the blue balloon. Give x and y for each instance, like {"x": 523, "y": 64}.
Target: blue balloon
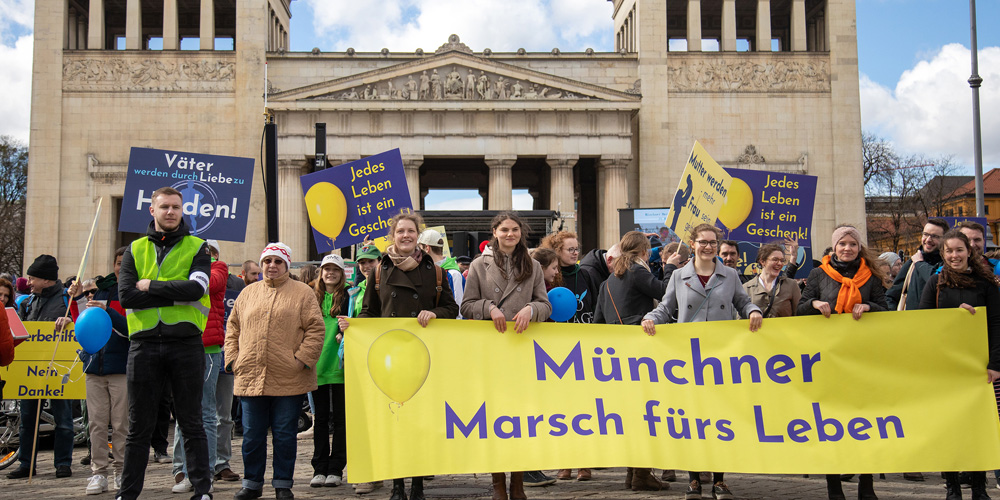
{"x": 563, "y": 304}
{"x": 93, "y": 329}
{"x": 17, "y": 301}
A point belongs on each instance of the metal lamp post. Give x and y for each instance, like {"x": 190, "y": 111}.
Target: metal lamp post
{"x": 975, "y": 81}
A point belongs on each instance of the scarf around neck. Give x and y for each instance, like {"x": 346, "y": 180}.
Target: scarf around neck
{"x": 404, "y": 262}
{"x": 850, "y": 288}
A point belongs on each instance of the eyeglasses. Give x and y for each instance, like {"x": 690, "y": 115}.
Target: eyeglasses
{"x": 932, "y": 236}
{"x": 708, "y": 243}
{"x": 90, "y": 292}
{"x": 776, "y": 259}
{"x": 573, "y": 250}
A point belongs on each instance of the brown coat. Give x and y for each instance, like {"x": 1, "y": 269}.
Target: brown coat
{"x": 404, "y": 294}
{"x": 274, "y": 323}
{"x": 786, "y": 299}
{"x": 485, "y": 286}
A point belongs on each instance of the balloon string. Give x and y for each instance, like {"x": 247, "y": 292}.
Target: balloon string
{"x": 398, "y": 406}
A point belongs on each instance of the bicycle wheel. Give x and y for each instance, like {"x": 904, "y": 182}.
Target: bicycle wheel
{"x": 10, "y": 451}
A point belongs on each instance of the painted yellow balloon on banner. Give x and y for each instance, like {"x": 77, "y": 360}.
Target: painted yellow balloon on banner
{"x": 327, "y": 208}
{"x": 739, "y": 203}
{"x": 398, "y": 362}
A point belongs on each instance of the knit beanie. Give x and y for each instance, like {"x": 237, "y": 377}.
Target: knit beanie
{"x": 842, "y": 231}
{"x": 279, "y": 250}
{"x": 44, "y": 267}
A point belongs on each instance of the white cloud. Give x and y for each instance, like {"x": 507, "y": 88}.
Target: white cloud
{"x": 930, "y": 110}
{"x": 405, "y": 25}
{"x": 16, "y": 42}
{"x": 457, "y": 204}
{"x": 523, "y": 201}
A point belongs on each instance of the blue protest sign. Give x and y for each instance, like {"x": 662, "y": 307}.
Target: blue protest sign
{"x": 348, "y": 202}
{"x": 955, "y": 220}
{"x": 767, "y": 207}
{"x": 215, "y": 189}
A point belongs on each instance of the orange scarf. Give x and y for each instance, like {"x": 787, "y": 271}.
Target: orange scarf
{"x": 850, "y": 288}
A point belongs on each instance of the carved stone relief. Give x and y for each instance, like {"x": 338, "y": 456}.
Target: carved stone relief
{"x": 748, "y": 75}
{"x": 147, "y": 74}
{"x": 452, "y": 82}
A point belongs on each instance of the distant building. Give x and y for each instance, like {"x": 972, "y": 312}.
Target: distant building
{"x": 767, "y": 84}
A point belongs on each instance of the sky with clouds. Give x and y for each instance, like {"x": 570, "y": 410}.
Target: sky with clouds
{"x": 914, "y": 55}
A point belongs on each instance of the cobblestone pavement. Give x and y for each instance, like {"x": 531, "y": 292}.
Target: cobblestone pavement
{"x": 606, "y": 484}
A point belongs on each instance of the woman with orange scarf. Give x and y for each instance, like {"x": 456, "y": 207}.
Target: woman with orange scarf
{"x": 845, "y": 284}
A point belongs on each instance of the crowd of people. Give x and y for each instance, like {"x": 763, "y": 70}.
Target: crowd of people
{"x": 173, "y": 349}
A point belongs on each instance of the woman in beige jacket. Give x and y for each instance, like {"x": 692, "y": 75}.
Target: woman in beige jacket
{"x": 273, "y": 340}
{"x": 506, "y": 285}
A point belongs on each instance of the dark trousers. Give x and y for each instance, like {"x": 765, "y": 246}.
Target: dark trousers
{"x": 159, "y": 438}
{"x": 327, "y": 460}
{"x": 152, "y": 367}
{"x": 62, "y": 413}
{"x": 281, "y": 415}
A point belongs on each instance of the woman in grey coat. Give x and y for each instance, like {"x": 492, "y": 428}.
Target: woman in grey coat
{"x": 507, "y": 285}
{"x": 704, "y": 290}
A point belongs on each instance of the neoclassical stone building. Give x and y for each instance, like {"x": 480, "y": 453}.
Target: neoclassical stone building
{"x": 764, "y": 84}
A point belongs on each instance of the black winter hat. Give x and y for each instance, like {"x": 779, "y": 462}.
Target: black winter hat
{"x": 44, "y": 267}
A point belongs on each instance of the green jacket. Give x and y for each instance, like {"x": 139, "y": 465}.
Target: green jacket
{"x": 328, "y": 368}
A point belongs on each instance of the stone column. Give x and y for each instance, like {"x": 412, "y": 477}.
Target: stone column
{"x": 561, "y": 195}
{"x": 728, "y": 41}
{"x": 798, "y": 33}
{"x": 95, "y": 32}
{"x": 694, "y": 25}
{"x": 206, "y": 33}
{"x": 293, "y": 219}
{"x": 501, "y": 189}
{"x": 763, "y": 25}
{"x": 133, "y": 25}
{"x": 171, "y": 32}
{"x": 411, "y": 165}
{"x": 81, "y": 33}
{"x": 613, "y": 190}
{"x": 71, "y": 26}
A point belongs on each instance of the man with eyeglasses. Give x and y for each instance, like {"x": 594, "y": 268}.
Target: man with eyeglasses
{"x": 924, "y": 263}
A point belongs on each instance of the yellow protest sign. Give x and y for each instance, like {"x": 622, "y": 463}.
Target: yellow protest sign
{"x": 700, "y": 194}
{"x": 26, "y": 376}
{"x": 804, "y": 395}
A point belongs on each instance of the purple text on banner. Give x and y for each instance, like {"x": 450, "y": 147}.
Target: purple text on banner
{"x": 215, "y": 191}
{"x": 348, "y": 202}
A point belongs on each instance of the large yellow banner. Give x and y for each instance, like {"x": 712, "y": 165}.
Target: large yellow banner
{"x": 30, "y": 377}
{"x": 893, "y": 392}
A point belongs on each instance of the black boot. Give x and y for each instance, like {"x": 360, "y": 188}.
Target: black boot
{"x": 834, "y": 489}
{"x": 866, "y": 487}
{"x": 953, "y": 487}
{"x": 398, "y": 490}
{"x": 979, "y": 486}
{"x": 417, "y": 488}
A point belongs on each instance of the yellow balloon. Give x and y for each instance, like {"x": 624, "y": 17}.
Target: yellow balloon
{"x": 398, "y": 362}
{"x": 327, "y": 208}
{"x": 738, "y": 204}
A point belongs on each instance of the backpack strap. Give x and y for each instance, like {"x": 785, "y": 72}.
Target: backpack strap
{"x": 437, "y": 278}
{"x": 378, "y": 276}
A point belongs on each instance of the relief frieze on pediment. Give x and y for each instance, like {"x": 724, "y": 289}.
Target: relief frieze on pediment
{"x": 452, "y": 83}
